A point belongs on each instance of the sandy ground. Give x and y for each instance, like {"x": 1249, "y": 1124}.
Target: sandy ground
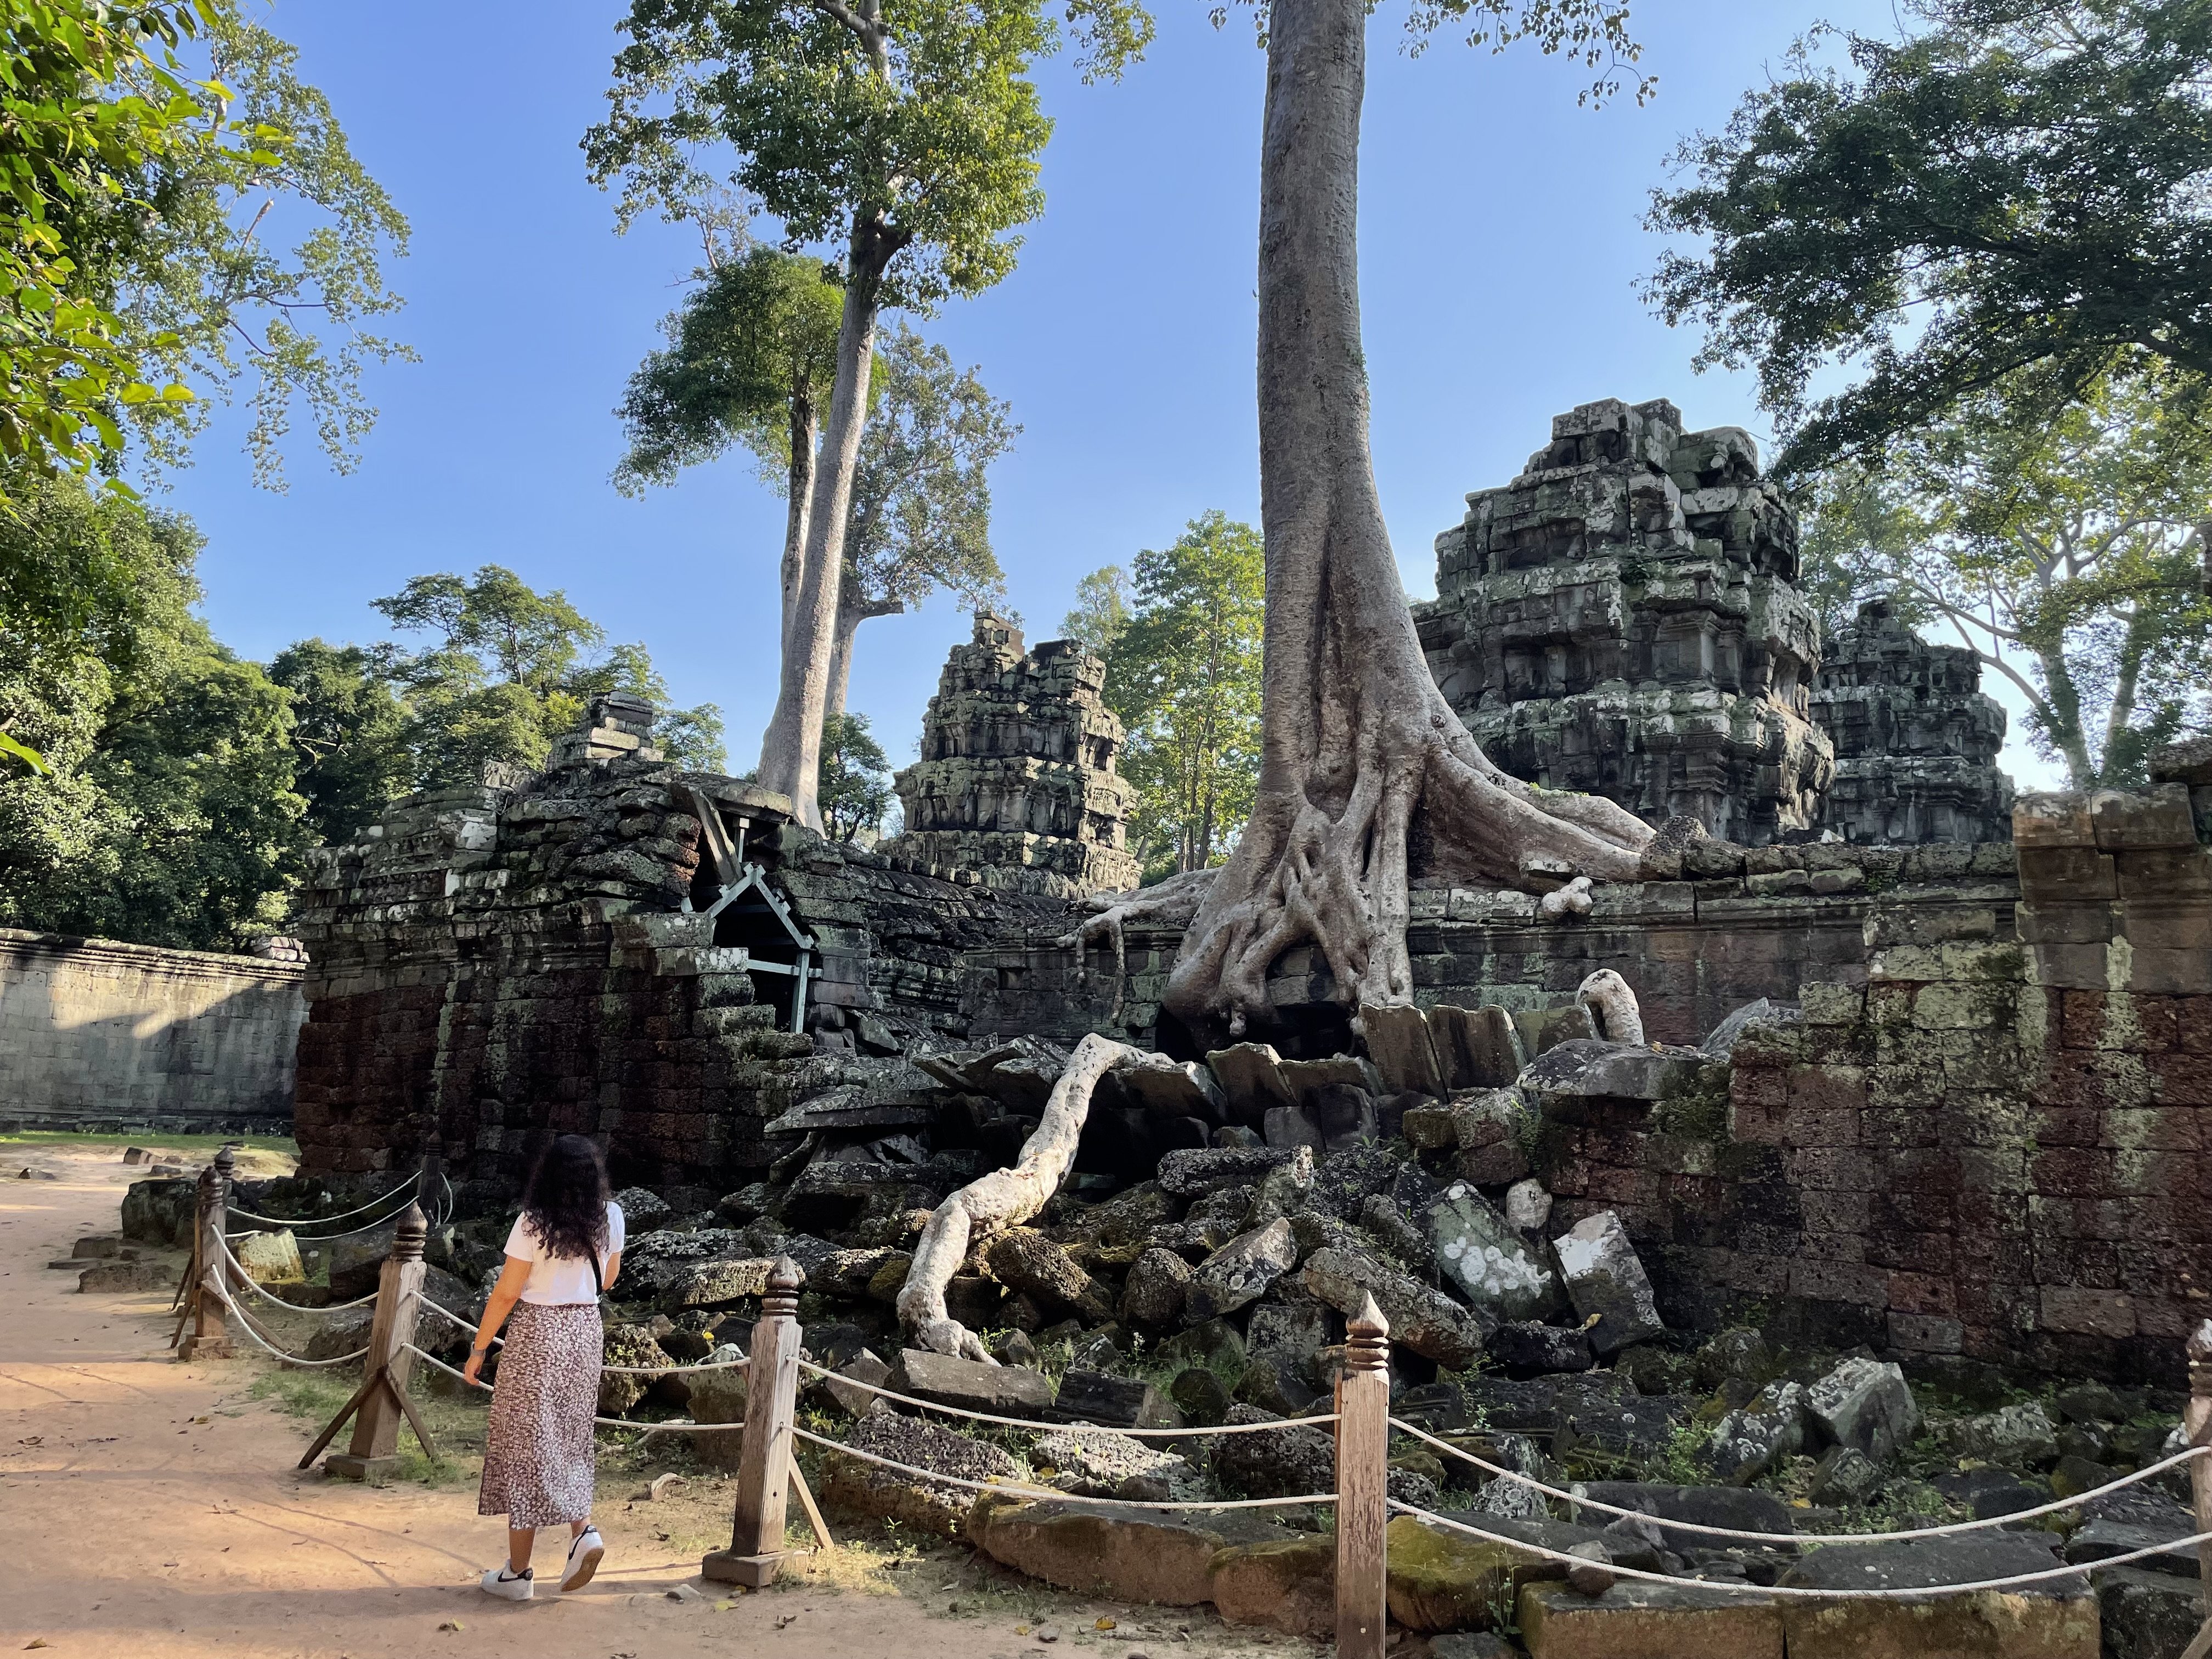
{"x": 152, "y": 1508}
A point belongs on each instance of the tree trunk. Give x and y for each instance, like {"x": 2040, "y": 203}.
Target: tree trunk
{"x": 1356, "y": 738}
{"x": 798, "y": 498}
{"x": 850, "y": 615}
{"x": 2061, "y": 708}
{"x": 790, "y": 751}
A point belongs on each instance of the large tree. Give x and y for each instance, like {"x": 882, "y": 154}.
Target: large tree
{"x": 751, "y": 358}
{"x": 907, "y": 137}
{"x": 1183, "y": 672}
{"x": 1362, "y": 759}
{"x": 2018, "y": 187}
{"x": 2063, "y": 546}
{"x": 922, "y": 494}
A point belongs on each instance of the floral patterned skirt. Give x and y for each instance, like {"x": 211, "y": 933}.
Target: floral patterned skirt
{"x": 538, "y": 1463}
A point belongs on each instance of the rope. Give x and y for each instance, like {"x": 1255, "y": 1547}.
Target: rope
{"x": 408, "y": 1185}
{"x": 291, "y": 1307}
{"x": 376, "y": 1226}
{"x": 1051, "y": 1492}
{"x": 1921, "y": 1594}
{"x": 1035, "y": 1427}
{"x": 618, "y": 1370}
{"x": 1953, "y": 1529}
{"x": 604, "y": 1422}
{"x": 245, "y": 1323}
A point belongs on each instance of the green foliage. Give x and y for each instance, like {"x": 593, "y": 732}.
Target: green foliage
{"x": 856, "y": 782}
{"x": 2065, "y": 548}
{"x": 921, "y": 492}
{"x": 752, "y": 349}
{"x": 349, "y": 733}
{"x": 2014, "y": 190}
{"x": 1183, "y": 674}
{"x": 912, "y": 134}
{"x": 139, "y": 245}
{"x": 167, "y": 816}
{"x": 510, "y": 669}
{"x": 208, "y": 291}
{"x": 1101, "y": 610}
{"x": 92, "y": 101}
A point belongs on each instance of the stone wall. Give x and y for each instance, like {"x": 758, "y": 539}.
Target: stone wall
{"x": 1916, "y": 737}
{"x": 1015, "y": 786}
{"x": 1621, "y": 619}
{"x": 494, "y": 964}
{"x": 102, "y": 1034}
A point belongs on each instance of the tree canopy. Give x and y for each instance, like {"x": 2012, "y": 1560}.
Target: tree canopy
{"x": 2015, "y": 191}
{"x": 1183, "y": 672}
{"x": 2063, "y": 546}
{"x": 856, "y": 779}
{"x": 162, "y": 151}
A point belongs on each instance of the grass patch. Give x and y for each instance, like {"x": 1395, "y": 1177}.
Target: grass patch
{"x": 458, "y": 1425}
{"x": 260, "y": 1149}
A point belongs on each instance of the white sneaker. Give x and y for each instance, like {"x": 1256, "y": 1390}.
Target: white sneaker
{"x": 583, "y": 1558}
{"x": 508, "y": 1586}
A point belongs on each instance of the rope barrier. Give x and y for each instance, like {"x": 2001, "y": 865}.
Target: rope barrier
{"x": 604, "y": 1422}
{"x": 1950, "y": 1530}
{"x": 245, "y": 1323}
{"x": 406, "y": 1186}
{"x": 1035, "y": 1427}
{"x": 291, "y": 1307}
{"x": 1922, "y": 1593}
{"x": 1023, "y": 1491}
{"x": 618, "y": 1370}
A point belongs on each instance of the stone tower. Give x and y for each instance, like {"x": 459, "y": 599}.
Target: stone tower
{"x": 1917, "y": 738}
{"x": 1015, "y": 786}
{"x": 1621, "y": 620}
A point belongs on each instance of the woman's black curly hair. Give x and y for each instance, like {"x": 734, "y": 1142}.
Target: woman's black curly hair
{"x": 565, "y": 1202}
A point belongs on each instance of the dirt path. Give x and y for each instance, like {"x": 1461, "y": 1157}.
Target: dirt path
{"x": 152, "y": 1509}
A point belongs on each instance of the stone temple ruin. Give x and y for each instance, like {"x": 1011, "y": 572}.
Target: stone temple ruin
{"x": 1015, "y": 786}
{"x": 1909, "y": 1136}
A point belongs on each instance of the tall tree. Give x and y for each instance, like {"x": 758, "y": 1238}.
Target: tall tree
{"x": 750, "y": 360}
{"x": 922, "y": 494}
{"x": 349, "y": 735}
{"x": 856, "y": 778}
{"x": 510, "y": 669}
{"x": 166, "y": 815}
{"x": 2016, "y": 188}
{"x": 2065, "y": 548}
{"x": 1101, "y": 611}
{"x": 910, "y": 136}
{"x": 1357, "y": 741}
{"x": 1183, "y": 672}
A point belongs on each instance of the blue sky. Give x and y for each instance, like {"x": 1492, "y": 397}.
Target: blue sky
{"x": 1501, "y": 245}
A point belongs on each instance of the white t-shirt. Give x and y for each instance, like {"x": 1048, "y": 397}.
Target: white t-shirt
{"x": 557, "y": 1280}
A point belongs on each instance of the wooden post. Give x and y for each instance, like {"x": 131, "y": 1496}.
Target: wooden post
{"x": 764, "y": 1465}
{"x": 2196, "y": 1428}
{"x": 1363, "y": 1453}
{"x": 210, "y": 1337}
{"x": 375, "y": 1444}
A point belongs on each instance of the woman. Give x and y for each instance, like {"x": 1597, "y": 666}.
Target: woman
{"x": 565, "y": 1249}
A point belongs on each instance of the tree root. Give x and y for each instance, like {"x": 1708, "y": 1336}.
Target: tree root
{"x": 1002, "y": 1199}
{"x": 1611, "y": 1006}
{"x": 1172, "y": 902}
{"x": 1340, "y": 879}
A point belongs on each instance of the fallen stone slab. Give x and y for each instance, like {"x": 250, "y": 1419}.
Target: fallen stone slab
{"x": 1639, "y": 1620}
{"x": 2056, "y": 1620}
{"x": 1193, "y": 1172}
{"x": 1249, "y": 1081}
{"x": 1240, "y": 1272}
{"x": 878, "y": 1493}
{"x": 1024, "y": 1258}
{"x": 1118, "y": 1402}
{"x": 2146, "y": 1615}
{"x": 270, "y": 1258}
{"x": 1163, "y": 1556}
{"x": 1476, "y": 1047}
{"x": 1739, "y": 1509}
{"x": 1440, "y": 1580}
{"x": 1398, "y": 1042}
{"x": 1482, "y": 1255}
{"x": 1528, "y": 1349}
{"x": 115, "y": 1277}
{"x": 1423, "y": 1320}
{"x": 1289, "y": 1585}
{"x": 2100, "y": 1541}
{"x": 1289, "y": 1462}
{"x": 1002, "y": 1390}
{"x": 1866, "y": 1405}
{"x": 1606, "y": 1281}
{"x": 1168, "y": 1088}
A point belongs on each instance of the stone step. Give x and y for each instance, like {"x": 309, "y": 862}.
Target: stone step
{"x": 1636, "y": 1620}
